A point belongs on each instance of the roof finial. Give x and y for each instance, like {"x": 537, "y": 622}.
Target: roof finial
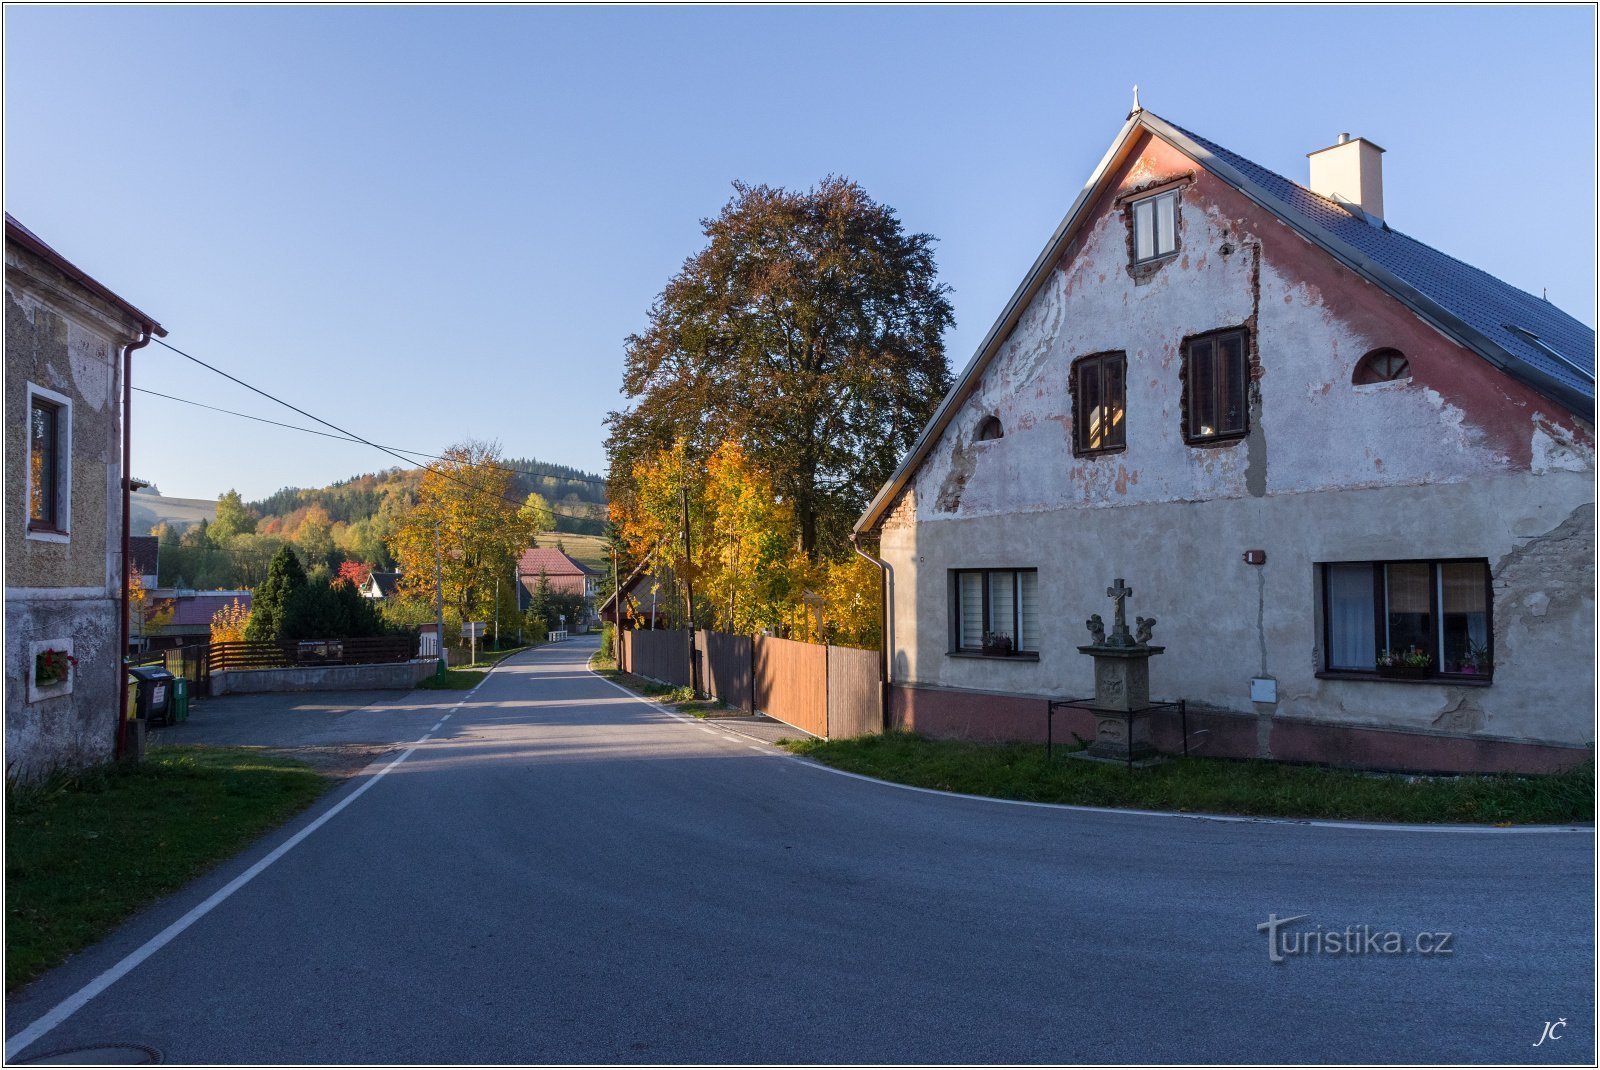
{"x": 1136, "y": 106}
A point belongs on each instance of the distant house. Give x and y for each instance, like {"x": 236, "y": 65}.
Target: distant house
{"x": 68, "y": 343}
{"x": 649, "y": 595}
{"x": 382, "y": 585}
{"x": 191, "y": 617}
{"x": 562, "y": 575}
{"x": 144, "y": 554}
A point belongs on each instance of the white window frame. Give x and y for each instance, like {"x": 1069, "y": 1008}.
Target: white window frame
{"x": 1151, "y": 208}
{"x": 63, "y": 469}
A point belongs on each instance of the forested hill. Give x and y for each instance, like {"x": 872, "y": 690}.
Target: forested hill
{"x": 578, "y": 498}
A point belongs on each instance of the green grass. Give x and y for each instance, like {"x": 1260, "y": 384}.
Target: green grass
{"x": 679, "y": 698}
{"x": 465, "y": 678}
{"x": 591, "y": 550}
{"x": 85, "y": 852}
{"x": 1200, "y": 785}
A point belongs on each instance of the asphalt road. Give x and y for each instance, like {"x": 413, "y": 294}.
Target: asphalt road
{"x": 564, "y": 873}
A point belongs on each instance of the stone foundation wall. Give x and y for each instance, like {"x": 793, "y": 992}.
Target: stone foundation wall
{"x": 400, "y": 676}
{"x": 987, "y": 717}
{"x": 64, "y": 731}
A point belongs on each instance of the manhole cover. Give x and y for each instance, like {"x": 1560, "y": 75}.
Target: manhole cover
{"x": 97, "y": 1055}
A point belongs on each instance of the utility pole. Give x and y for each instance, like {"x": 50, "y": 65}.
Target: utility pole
{"x": 497, "y": 612}
{"x": 438, "y": 596}
{"x": 688, "y": 587}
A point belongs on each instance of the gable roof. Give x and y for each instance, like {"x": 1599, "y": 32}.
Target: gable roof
{"x": 1525, "y": 336}
{"x": 387, "y": 583}
{"x": 27, "y": 239}
{"x": 551, "y": 562}
{"x": 193, "y": 609}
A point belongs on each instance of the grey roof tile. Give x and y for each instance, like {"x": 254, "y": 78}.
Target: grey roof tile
{"x": 1484, "y": 303}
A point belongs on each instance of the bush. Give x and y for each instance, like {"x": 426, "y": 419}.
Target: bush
{"x": 608, "y": 642}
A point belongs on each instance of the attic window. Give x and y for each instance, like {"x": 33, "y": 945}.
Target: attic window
{"x": 1155, "y": 227}
{"x": 1381, "y": 366}
{"x": 989, "y": 428}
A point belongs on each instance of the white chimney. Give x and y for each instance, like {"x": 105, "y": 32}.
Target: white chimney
{"x": 1350, "y": 172}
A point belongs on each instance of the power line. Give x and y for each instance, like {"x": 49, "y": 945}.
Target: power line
{"x": 363, "y": 442}
{"x": 354, "y": 437}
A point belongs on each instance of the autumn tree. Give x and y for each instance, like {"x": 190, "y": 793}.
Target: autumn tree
{"x": 232, "y": 519}
{"x": 145, "y": 613}
{"x": 356, "y": 572}
{"x": 809, "y": 331}
{"x": 229, "y": 624}
{"x": 538, "y": 512}
{"x": 744, "y": 558}
{"x": 480, "y": 531}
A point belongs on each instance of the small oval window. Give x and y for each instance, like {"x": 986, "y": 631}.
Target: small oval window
{"x": 989, "y": 428}
{"x": 1382, "y": 366}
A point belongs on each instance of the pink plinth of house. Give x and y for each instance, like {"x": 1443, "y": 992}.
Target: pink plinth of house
{"x": 986, "y": 717}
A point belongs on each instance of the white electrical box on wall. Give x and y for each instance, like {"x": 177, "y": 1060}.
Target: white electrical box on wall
{"x": 1263, "y": 689}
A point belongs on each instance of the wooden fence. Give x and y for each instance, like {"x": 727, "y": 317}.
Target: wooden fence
{"x": 192, "y": 662}
{"x": 829, "y": 691}
{"x": 371, "y": 651}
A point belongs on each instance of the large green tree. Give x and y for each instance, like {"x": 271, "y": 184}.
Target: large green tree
{"x": 285, "y": 576}
{"x": 810, "y": 332}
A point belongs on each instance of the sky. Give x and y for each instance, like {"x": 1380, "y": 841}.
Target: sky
{"x": 431, "y": 224}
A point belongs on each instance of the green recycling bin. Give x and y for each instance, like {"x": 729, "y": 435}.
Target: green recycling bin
{"x": 180, "y": 700}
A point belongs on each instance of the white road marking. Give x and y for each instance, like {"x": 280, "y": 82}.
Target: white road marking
{"x": 75, "y": 1002}
{"x": 438, "y": 725}
{"x": 1362, "y": 826}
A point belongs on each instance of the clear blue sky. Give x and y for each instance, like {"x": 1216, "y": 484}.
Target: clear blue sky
{"x": 434, "y": 223}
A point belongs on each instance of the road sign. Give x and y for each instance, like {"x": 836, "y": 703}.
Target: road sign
{"x": 473, "y": 629}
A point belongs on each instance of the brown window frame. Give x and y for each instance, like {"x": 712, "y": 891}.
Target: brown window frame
{"x": 1380, "y": 597}
{"x": 1366, "y": 373}
{"x": 1031, "y": 654}
{"x": 48, "y": 481}
{"x": 1214, "y": 340}
{"x": 1097, "y": 363}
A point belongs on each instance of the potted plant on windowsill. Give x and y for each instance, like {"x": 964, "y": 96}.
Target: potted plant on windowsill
{"x": 998, "y": 644}
{"x": 1413, "y": 664}
{"x": 51, "y": 667}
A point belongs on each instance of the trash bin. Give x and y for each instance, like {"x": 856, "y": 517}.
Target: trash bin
{"x": 180, "y": 699}
{"x": 155, "y": 693}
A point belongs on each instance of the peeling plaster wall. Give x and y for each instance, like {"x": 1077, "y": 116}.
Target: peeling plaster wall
{"x": 61, "y": 337}
{"x": 1460, "y": 460}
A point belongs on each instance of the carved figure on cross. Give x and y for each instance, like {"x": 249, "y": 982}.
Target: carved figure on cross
{"x": 1119, "y": 593}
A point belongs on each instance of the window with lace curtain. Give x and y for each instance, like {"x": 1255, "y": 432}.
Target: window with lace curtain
{"x": 1408, "y": 619}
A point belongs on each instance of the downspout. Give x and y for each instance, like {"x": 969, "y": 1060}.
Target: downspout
{"x": 885, "y": 622}
{"x": 119, "y": 699}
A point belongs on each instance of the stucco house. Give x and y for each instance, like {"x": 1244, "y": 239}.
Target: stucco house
{"x": 382, "y": 586}
{"x": 68, "y": 345}
{"x": 1311, "y": 445}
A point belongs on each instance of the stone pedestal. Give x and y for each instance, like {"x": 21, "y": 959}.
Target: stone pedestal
{"x": 1121, "y": 684}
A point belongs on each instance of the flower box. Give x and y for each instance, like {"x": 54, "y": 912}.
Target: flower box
{"x": 1406, "y": 672}
{"x": 999, "y": 646}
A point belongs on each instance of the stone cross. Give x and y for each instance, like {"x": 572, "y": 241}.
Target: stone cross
{"x": 1119, "y": 594}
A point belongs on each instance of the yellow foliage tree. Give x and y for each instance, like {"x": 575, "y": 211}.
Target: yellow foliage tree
{"x": 229, "y": 622}
{"x": 463, "y": 502}
{"x": 146, "y": 614}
